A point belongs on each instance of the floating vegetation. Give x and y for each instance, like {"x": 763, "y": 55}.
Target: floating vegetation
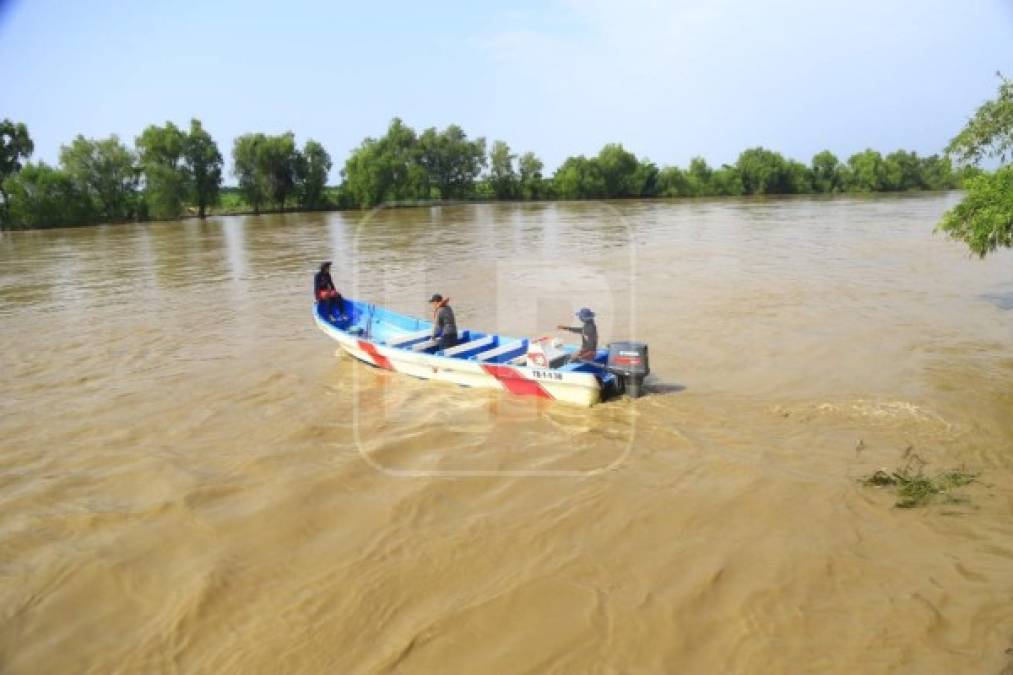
{"x": 915, "y": 488}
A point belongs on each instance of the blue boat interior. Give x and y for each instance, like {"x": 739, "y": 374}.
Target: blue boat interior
{"x": 391, "y": 329}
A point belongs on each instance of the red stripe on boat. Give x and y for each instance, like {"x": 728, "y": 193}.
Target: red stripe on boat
{"x": 378, "y": 358}
{"x": 515, "y": 382}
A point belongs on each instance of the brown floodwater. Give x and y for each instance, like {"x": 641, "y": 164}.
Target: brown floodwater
{"x": 192, "y": 480}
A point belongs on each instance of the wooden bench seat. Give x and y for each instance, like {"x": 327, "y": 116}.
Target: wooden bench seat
{"x": 408, "y": 338}
{"x": 506, "y": 352}
{"x": 423, "y": 346}
{"x": 475, "y": 345}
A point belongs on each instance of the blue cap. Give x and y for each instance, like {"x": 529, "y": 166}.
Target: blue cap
{"x": 585, "y": 314}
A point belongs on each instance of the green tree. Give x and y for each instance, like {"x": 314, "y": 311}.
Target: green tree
{"x": 530, "y": 176}
{"x": 674, "y": 182}
{"x": 502, "y": 176}
{"x": 726, "y": 181}
{"x": 390, "y": 168}
{"x": 579, "y": 178}
{"x": 400, "y": 160}
{"x": 990, "y": 132}
{"x": 42, "y": 196}
{"x": 363, "y": 182}
{"x": 827, "y": 172}
{"x": 277, "y": 161}
{"x": 313, "y": 167}
{"x": 203, "y": 163}
{"x": 246, "y": 167}
{"x": 15, "y": 146}
{"x": 266, "y": 167}
{"x": 431, "y": 154}
{"x": 937, "y": 173}
{"x": 617, "y": 168}
{"x": 451, "y": 161}
{"x": 800, "y": 178}
{"x": 984, "y": 219}
{"x": 645, "y": 179}
{"x": 105, "y": 171}
{"x": 699, "y": 175}
{"x": 902, "y": 171}
{"x": 866, "y": 172}
{"x": 965, "y": 173}
{"x": 764, "y": 172}
{"x": 167, "y": 180}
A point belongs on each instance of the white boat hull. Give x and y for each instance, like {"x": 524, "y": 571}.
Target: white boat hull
{"x": 577, "y": 388}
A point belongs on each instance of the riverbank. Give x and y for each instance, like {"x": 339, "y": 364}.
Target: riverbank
{"x": 237, "y": 208}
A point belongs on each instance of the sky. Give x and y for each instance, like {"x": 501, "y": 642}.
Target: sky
{"x": 668, "y": 80}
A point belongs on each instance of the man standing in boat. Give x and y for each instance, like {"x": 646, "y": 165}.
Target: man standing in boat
{"x": 444, "y": 325}
{"x": 588, "y": 335}
{"x": 326, "y": 293}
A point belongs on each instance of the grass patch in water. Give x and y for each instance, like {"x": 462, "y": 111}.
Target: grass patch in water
{"x": 915, "y": 488}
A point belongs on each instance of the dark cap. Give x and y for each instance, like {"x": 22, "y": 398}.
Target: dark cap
{"x": 585, "y": 314}
{"x": 436, "y": 298}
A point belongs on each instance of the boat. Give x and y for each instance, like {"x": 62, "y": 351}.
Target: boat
{"x": 541, "y": 367}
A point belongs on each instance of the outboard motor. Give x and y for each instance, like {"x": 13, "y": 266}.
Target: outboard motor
{"x": 628, "y": 362}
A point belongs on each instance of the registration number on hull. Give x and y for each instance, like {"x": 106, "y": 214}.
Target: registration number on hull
{"x": 546, "y": 375}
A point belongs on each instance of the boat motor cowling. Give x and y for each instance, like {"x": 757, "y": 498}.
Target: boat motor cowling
{"x": 628, "y": 362}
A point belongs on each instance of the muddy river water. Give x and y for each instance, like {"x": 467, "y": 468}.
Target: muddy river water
{"x": 191, "y": 480}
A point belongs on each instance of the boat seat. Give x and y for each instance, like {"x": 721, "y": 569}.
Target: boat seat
{"x": 506, "y": 352}
{"x": 433, "y": 343}
{"x": 408, "y": 338}
{"x": 423, "y": 346}
{"x": 468, "y": 348}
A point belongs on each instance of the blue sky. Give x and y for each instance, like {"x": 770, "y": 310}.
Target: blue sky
{"x": 669, "y": 80}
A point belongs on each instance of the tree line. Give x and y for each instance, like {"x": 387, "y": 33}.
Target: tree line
{"x": 407, "y": 166}
{"x": 171, "y": 172}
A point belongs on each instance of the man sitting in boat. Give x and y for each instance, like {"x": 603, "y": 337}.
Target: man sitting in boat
{"x": 588, "y": 335}
{"x": 444, "y": 326}
{"x": 326, "y": 293}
